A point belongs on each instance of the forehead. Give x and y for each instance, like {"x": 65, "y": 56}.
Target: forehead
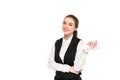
{"x": 70, "y": 20}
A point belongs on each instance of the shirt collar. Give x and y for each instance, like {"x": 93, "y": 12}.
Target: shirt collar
{"x": 68, "y": 40}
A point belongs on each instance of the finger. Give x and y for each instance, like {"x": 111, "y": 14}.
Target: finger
{"x": 95, "y": 44}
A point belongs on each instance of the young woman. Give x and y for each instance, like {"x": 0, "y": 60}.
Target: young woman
{"x": 69, "y": 52}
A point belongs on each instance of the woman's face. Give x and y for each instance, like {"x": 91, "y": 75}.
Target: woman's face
{"x": 68, "y": 26}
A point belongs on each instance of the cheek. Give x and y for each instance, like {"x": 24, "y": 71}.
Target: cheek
{"x": 72, "y": 29}
{"x": 62, "y": 27}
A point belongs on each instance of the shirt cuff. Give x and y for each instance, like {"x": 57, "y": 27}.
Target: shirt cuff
{"x": 87, "y": 48}
{"x": 66, "y": 68}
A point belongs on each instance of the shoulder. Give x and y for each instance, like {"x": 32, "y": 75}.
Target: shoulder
{"x": 81, "y": 42}
{"x": 82, "y": 45}
{"x": 58, "y": 41}
{"x": 77, "y": 39}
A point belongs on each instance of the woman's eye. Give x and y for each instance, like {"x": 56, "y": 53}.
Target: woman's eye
{"x": 64, "y": 22}
{"x": 70, "y": 24}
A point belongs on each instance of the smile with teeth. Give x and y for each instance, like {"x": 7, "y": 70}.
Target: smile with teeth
{"x": 66, "y": 30}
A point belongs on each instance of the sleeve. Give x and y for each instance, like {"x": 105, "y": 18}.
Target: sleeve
{"x": 81, "y": 54}
{"x": 56, "y": 66}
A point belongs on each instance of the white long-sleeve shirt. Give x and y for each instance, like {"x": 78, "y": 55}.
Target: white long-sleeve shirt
{"x": 79, "y": 61}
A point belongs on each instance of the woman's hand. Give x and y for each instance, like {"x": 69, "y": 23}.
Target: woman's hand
{"x": 72, "y": 70}
{"x": 92, "y": 44}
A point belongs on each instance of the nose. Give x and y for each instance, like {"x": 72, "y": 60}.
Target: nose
{"x": 65, "y": 26}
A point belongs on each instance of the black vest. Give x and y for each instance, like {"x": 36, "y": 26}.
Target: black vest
{"x": 68, "y": 59}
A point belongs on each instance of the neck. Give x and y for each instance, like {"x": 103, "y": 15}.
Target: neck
{"x": 67, "y": 36}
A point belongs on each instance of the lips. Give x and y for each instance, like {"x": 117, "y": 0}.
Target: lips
{"x": 66, "y": 30}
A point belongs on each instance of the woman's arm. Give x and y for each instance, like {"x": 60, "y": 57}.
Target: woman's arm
{"x": 56, "y": 66}
{"x": 81, "y": 54}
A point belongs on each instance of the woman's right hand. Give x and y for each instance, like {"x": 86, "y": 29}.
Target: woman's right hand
{"x": 72, "y": 70}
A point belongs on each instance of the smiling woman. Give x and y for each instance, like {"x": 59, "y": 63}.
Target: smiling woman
{"x": 69, "y": 53}
{"x": 70, "y": 24}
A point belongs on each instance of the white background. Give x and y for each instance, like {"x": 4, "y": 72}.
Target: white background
{"x": 28, "y": 29}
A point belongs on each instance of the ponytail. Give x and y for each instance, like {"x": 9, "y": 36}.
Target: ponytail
{"x": 75, "y": 33}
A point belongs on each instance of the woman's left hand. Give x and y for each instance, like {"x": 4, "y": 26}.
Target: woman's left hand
{"x": 92, "y": 44}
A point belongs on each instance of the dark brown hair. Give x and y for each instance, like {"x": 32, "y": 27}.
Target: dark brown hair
{"x": 76, "y": 23}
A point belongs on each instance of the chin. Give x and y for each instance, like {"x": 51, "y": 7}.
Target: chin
{"x": 66, "y": 33}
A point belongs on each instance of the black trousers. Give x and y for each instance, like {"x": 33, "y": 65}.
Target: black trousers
{"x": 67, "y": 76}
{"x": 76, "y": 78}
